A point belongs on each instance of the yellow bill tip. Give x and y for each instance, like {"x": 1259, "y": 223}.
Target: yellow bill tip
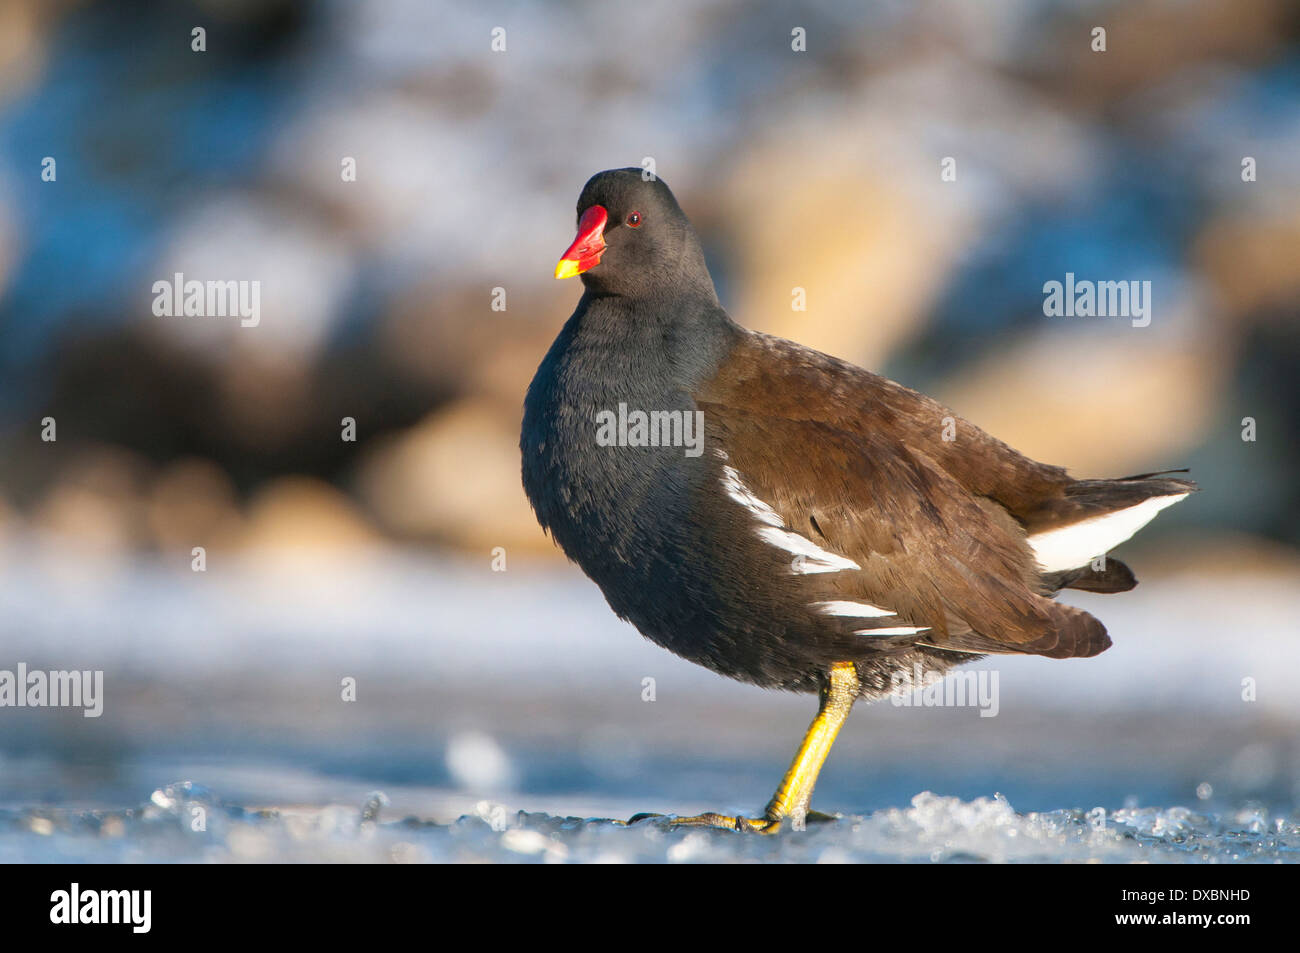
{"x": 567, "y": 268}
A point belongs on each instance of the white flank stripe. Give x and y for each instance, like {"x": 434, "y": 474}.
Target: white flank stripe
{"x": 737, "y": 490}
{"x": 1077, "y": 545}
{"x": 858, "y": 609}
{"x": 896, "y": 630}
{"x": 810, "y": 557}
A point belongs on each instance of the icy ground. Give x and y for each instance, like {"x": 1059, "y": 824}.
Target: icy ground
{"x": 505, "y": 717}
{"x": 931, "y": 829}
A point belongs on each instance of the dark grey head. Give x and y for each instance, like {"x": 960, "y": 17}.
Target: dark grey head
{"x": 634, "y": 240}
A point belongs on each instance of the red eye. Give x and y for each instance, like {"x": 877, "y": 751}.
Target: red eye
{"x": 634, "y": 220}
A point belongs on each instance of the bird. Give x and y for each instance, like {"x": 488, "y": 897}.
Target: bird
{"x": 786, "y": 518}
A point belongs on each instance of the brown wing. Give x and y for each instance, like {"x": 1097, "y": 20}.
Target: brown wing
{"x": 790, "y": 381}
{"x": 938, "y": 508}
{"x": 928, "y": 550}
{"x": 794, "y": 382}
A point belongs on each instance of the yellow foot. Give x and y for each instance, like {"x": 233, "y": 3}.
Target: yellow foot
{"x": 792, "y": 797}
{"x": 762, "y": 825}
{"x": 721, "y": 821}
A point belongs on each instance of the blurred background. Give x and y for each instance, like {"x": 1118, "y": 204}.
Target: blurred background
{"x": 373, "y": 558}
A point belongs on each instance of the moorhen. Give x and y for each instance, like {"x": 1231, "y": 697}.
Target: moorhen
{"x": 786, "y": 518}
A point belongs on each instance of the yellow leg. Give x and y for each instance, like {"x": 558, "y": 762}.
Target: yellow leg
{"x": 792, "y": 797}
